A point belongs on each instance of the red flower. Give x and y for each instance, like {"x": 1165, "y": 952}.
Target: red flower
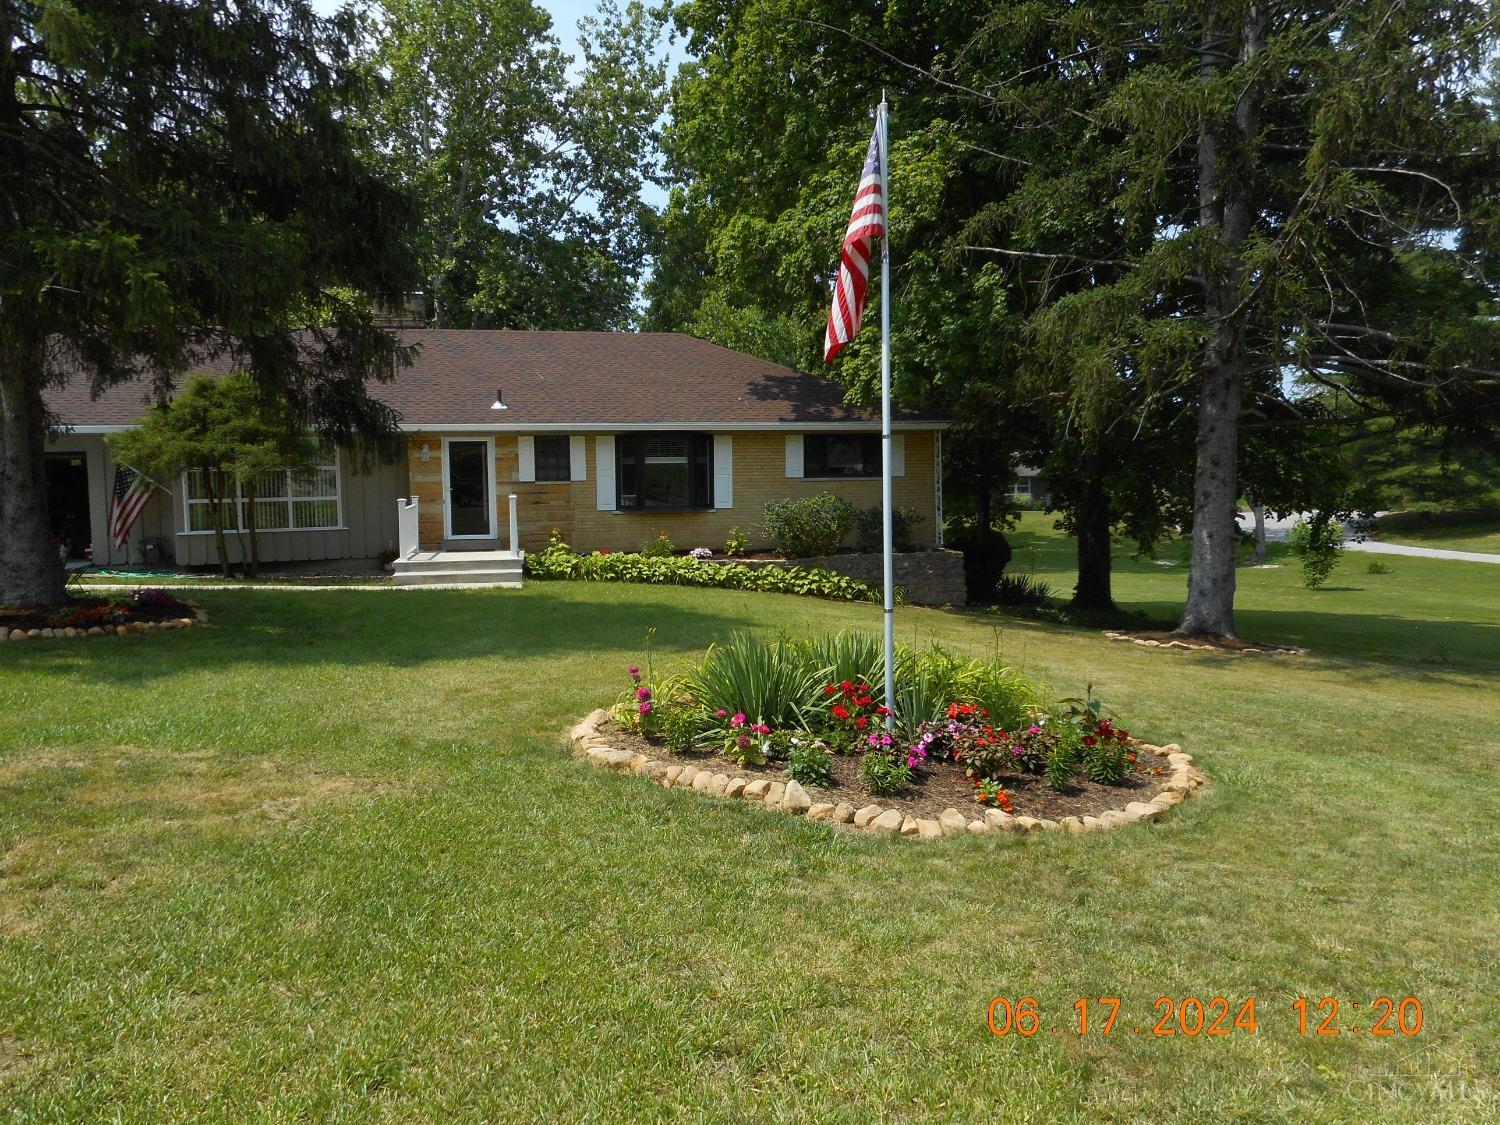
{"x": 882, "y": 711}
{"x": 840, "y": 711}
{"x": 862, "y": 722}
{"x": 829, "y": 689}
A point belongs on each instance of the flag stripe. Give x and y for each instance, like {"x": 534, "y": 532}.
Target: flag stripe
{"x": 127, "y": 500}
{"x": 866, "y": 223}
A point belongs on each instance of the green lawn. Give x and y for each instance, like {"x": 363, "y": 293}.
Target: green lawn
{"x": 326, "y": 858}
{"x": 1478, "y": 535}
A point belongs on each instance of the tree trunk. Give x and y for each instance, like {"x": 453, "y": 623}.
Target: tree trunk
{"x": 1257, "y": 509}
{"x": 1224, "y": 207}
{"x": 252, "y": 568}
{"x": 1092, "y": 519}
{"x": 31, "y": 570}
{"x": 216, "y": 508}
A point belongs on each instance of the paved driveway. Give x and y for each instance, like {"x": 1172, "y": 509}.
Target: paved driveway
{"x": 1277, "y": 530}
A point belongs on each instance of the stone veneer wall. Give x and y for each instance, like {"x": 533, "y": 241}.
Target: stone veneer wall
{"x": 932, "y": 577}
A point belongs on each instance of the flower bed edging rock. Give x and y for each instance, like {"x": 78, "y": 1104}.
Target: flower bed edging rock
{"x": 790, "y": 797}
{"x": 69, "y": 632}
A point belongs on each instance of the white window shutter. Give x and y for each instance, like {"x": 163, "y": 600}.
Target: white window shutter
{"x": 723, "y": 470}
{"x": 604, "y": 471}
{"x": 578, "y": 455}
{"x": 794, "y": 455}
{"x": 526, "y": 447}
{"x": 898, "y": 455}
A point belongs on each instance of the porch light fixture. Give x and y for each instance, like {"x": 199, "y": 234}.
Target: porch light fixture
{"x": 499, "y": 403}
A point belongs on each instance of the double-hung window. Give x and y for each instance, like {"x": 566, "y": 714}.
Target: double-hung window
{"x": 301, "y": 499}
{"x": 841, "y": 455}
{"x": 666, "y": 470}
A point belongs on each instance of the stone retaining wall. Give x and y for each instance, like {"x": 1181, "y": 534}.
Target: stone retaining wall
{"x": 933, "y": 577}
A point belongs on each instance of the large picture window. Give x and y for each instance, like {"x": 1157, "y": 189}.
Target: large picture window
{"x": 665, "y": 471}
{"x": 303, "y": 499}
{"x": 841, "y": 455}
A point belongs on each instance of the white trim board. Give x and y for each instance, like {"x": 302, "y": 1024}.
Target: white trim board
{"x": 489, "y": 468}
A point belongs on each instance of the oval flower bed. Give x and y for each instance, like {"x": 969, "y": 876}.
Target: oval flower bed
{"x": 799, "y": 726}
{"x": 142, "y": 611}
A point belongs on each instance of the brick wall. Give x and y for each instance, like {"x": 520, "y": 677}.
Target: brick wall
{"x": 759, "y": 476}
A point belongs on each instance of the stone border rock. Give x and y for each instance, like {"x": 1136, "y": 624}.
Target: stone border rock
{"x": 199, "y": 617}
{"x": 1254, "y": 649}
{"x": 790, "y": 797}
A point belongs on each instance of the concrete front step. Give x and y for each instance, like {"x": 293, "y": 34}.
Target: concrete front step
{"x": 458, "y": 569}
{"x": 457, "y": 561}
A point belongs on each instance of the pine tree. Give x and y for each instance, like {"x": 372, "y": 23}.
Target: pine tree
{"x": 177, "y": 182}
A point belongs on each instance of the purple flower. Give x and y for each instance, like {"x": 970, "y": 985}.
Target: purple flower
{"x": 743, "y": 742}
{"x": 643, "y": 693}
{"x": 635, "y": 673}
{"x": 645, "y": 708}
{"x": 721, "y": 713}
{"x": 1034, "y": 730}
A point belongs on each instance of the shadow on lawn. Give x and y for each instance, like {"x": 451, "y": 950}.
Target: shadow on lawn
{"x": 1409, "y": 647}
{"x": 399, "y": 629}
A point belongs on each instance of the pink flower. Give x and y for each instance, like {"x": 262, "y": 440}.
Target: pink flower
{"x": 635, "y": 673}
{"x": 761, "y": 728}
{"x": 643, "y": 694}
{"x": 738, "y": 720}
{"x": 743, "y": 742}
{"x": 720, "y": 713}
{"x": 1034, "y": 730}
{"x": 645, "y": 708}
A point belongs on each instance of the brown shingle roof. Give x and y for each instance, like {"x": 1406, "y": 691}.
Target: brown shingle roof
{"x": 566, "y": 379}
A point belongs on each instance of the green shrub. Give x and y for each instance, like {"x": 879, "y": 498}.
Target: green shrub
{"x": 812, "y": 525}
{"x": 737, "y": 543}
{"x": 883, "y": 775}
{"x": 766, "y": 682}
{"x": 1377, "y": 567}
{"x": 1317, "y": 544}
{"x": 659, "y": 548}
{"x": 559, "y": 561}
{"x": 1022, "y": 590}
{"x": 681, "y": 725}
{"x": 869, "y": 526}
{"x": 810, "y": 763}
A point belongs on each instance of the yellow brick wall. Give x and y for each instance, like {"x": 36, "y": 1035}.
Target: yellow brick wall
{"x": 759, "y": 476}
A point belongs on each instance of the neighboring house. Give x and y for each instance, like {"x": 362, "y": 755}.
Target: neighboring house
{"x": 1029, "y": 485}
{"x": 607, "y": 438}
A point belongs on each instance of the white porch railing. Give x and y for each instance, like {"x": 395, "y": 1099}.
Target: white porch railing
{"x": 515, "y": 533}
{"x": 406, "y": 526}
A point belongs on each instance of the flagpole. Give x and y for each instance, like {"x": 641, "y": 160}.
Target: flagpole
{"x": 885, "y": 417}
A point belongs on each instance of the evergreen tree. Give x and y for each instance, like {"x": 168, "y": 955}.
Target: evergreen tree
{"x": 177, "y": 181}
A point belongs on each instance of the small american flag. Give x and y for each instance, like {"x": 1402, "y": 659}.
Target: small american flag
{"x": 126, "y": 501}
{"x": 866, "y": 224}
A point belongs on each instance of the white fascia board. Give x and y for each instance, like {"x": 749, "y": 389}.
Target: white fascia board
{"x": 651, "y": 427}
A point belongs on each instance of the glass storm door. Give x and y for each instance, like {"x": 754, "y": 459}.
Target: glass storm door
{"x": 470, "y": 495}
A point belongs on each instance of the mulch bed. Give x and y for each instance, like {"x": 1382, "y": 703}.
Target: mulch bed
{"x": 44, "y": 618}
{"x": 1157, "y": 639}
{"x": 935, "y": 786}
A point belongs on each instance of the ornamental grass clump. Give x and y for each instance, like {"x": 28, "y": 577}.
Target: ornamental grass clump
{"x": 768, "y": 681}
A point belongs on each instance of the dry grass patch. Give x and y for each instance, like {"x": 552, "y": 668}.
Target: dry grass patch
{"x": 108, "y": 814}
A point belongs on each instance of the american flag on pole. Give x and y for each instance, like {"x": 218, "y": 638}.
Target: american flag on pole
{"x": 126, "y": 501}
{"x": 866, "y": 224}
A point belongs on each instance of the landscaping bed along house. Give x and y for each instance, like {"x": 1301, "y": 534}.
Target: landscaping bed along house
{"x": 142, "y": 611}
{"x": 801, "y": 727}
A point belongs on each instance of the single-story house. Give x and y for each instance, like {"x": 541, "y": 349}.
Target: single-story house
{"x": 609, "y": 438}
